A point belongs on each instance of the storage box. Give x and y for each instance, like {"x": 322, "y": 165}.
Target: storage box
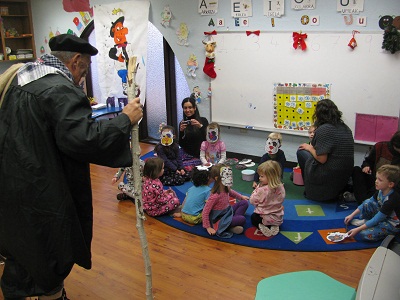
{"x": 4, "y": 10}
{"x": 297, "y": 177}
{"x": 248, "y": 175}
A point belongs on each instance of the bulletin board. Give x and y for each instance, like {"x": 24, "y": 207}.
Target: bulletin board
{"x": 294, "y": 103}
{"x": 364, "y": 80}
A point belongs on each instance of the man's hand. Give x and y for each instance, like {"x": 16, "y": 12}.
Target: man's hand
{"x": 134, "y": 110}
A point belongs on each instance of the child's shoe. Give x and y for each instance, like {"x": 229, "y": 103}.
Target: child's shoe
{"x": 357, "y": 222}
{"x": 236, "y": 229}
{"x": 265, "y": 230}
{"x": 274, "y": 230}
{"x": 349, "y": 197}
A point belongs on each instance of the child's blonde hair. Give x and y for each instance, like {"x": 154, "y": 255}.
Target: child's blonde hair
{"x": 275, "y": 136}
{"x": 215, "y": 173}
{"x": 152, "y": 167}
{"x": 391, "y": 172}
{"x": 272, "y": 170}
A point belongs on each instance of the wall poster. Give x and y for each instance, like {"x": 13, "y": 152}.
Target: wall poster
{"x": 294, "y": 103}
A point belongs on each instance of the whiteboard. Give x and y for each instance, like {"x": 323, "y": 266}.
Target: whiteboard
{"x": 364, "y": 80}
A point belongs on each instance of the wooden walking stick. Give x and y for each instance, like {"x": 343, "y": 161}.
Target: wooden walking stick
{"x": 137, "y": 179}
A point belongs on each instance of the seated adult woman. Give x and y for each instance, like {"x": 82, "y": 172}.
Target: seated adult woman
{"x": 327, "y": 162}
{"x": 385, "y": 152}
{"x": 192, "y": 132}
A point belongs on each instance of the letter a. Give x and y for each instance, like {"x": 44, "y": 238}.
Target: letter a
{"x": 203, "y": 3}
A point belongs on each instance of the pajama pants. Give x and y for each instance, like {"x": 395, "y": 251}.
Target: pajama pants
{"x": 384, "y": 228}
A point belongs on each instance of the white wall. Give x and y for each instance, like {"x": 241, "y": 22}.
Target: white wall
{"x": 49, "y": 14}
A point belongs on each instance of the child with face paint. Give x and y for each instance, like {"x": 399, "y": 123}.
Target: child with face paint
{"x": 168, "y": 150}
{"x": 230, "y": 219}
{"x": 156, "y": 200}
{"x": 273, "y": 152}
{"x": 268, "y": 198}
{"x": 213, "y": 150}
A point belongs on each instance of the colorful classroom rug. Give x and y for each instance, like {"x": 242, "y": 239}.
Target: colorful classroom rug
{"x": 305, "y": 227}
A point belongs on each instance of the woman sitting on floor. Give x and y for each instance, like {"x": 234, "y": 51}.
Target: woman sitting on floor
{"x": 328, "y": 161}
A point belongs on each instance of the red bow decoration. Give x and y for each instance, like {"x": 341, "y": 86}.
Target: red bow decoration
{"x": 256, "y": 32}
{"x": 298, "y": 40}
{"x": 210, "y": 32}
{"x": 353, "y": 43}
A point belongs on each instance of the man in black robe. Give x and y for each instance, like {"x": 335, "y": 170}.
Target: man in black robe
{"x": 47, "y": 141}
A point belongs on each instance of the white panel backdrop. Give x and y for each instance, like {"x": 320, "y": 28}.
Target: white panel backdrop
{"x": 135, "y": 26}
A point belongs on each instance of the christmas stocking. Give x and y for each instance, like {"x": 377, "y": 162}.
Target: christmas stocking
{"x": 209, "y": 67}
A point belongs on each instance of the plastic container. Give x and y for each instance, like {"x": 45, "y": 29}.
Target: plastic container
{"x": 297, "y": 178}
{"x": 248, "y": 175}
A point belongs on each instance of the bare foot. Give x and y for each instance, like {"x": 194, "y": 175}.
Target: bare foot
{"x": 177, "y": 215}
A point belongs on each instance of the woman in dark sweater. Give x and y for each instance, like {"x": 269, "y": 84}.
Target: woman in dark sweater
{"x": 327, "y": 162}
{"x": 192, "y": 131}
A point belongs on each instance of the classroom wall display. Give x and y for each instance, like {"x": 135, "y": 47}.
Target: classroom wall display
{"x": 294, "y": 104}
{"x": 374, "y": 128}
{"x": 121, "y": 34}
{"x": 362, "y": 80}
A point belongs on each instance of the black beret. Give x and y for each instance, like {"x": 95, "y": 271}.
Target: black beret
{"x": 119, "y": 20}
{"x": 71, "y": 43}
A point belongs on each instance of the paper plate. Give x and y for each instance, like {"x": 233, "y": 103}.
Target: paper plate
{"x": 201, "y": 167}
{"x": 252, "y": 164}
{"x": 245, "y": 161}
{"x": 336, "y": 237}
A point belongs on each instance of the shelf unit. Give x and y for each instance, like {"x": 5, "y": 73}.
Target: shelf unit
{"x": 17, "y": 14}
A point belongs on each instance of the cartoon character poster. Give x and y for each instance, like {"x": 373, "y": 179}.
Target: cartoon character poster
{"x": 121, "y": 33}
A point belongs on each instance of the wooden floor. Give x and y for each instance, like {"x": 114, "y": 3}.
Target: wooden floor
{"x": 184, "y": 266}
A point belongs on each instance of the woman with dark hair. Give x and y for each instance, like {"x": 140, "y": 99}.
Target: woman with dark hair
{"x": 192, "y": 131}
{"x": 382, "y": 153}
{"x": 327, "y": 162}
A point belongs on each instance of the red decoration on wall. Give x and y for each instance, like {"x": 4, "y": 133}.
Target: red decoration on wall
{"x": 210, "y": 32}
{"x": 256, "y": 32}
{"x": 352, "y": 44}
{"x": 299, "y": 40}
{"x": 77, "y": 5}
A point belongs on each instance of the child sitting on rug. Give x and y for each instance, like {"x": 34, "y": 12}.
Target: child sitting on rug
{"x": 128, "y": 188}
{"x": 168, "y": 150}
{"x": 379, "y": 215}
{"x": 196, "y": 197}
{"x": 213, "y": 150}
{"x": 268, "y": 198}
{"x": 156, "y": 200}
{"x": 272, "y": 145}
{"x": 217, "y": 209}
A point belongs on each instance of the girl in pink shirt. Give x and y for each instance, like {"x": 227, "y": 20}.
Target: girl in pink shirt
{"x": 268, "y": 198}
{"x": 156, "y": 200}
{"x": 219, "y": 217}
{"x": 213, "y": 150}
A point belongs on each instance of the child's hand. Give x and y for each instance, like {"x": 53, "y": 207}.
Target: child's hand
{"x": 254, "y": 184}
{"x": 182, "y": 172}
{"x": 114, "y": 180}
{"x": 211, "y": 231}
{"x": 354, "y": 231}
{"x": 245, "y": 198}
{"x": 348, "y": 219}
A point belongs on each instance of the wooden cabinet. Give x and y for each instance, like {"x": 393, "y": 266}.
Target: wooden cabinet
{"x": 17, "y": 38}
